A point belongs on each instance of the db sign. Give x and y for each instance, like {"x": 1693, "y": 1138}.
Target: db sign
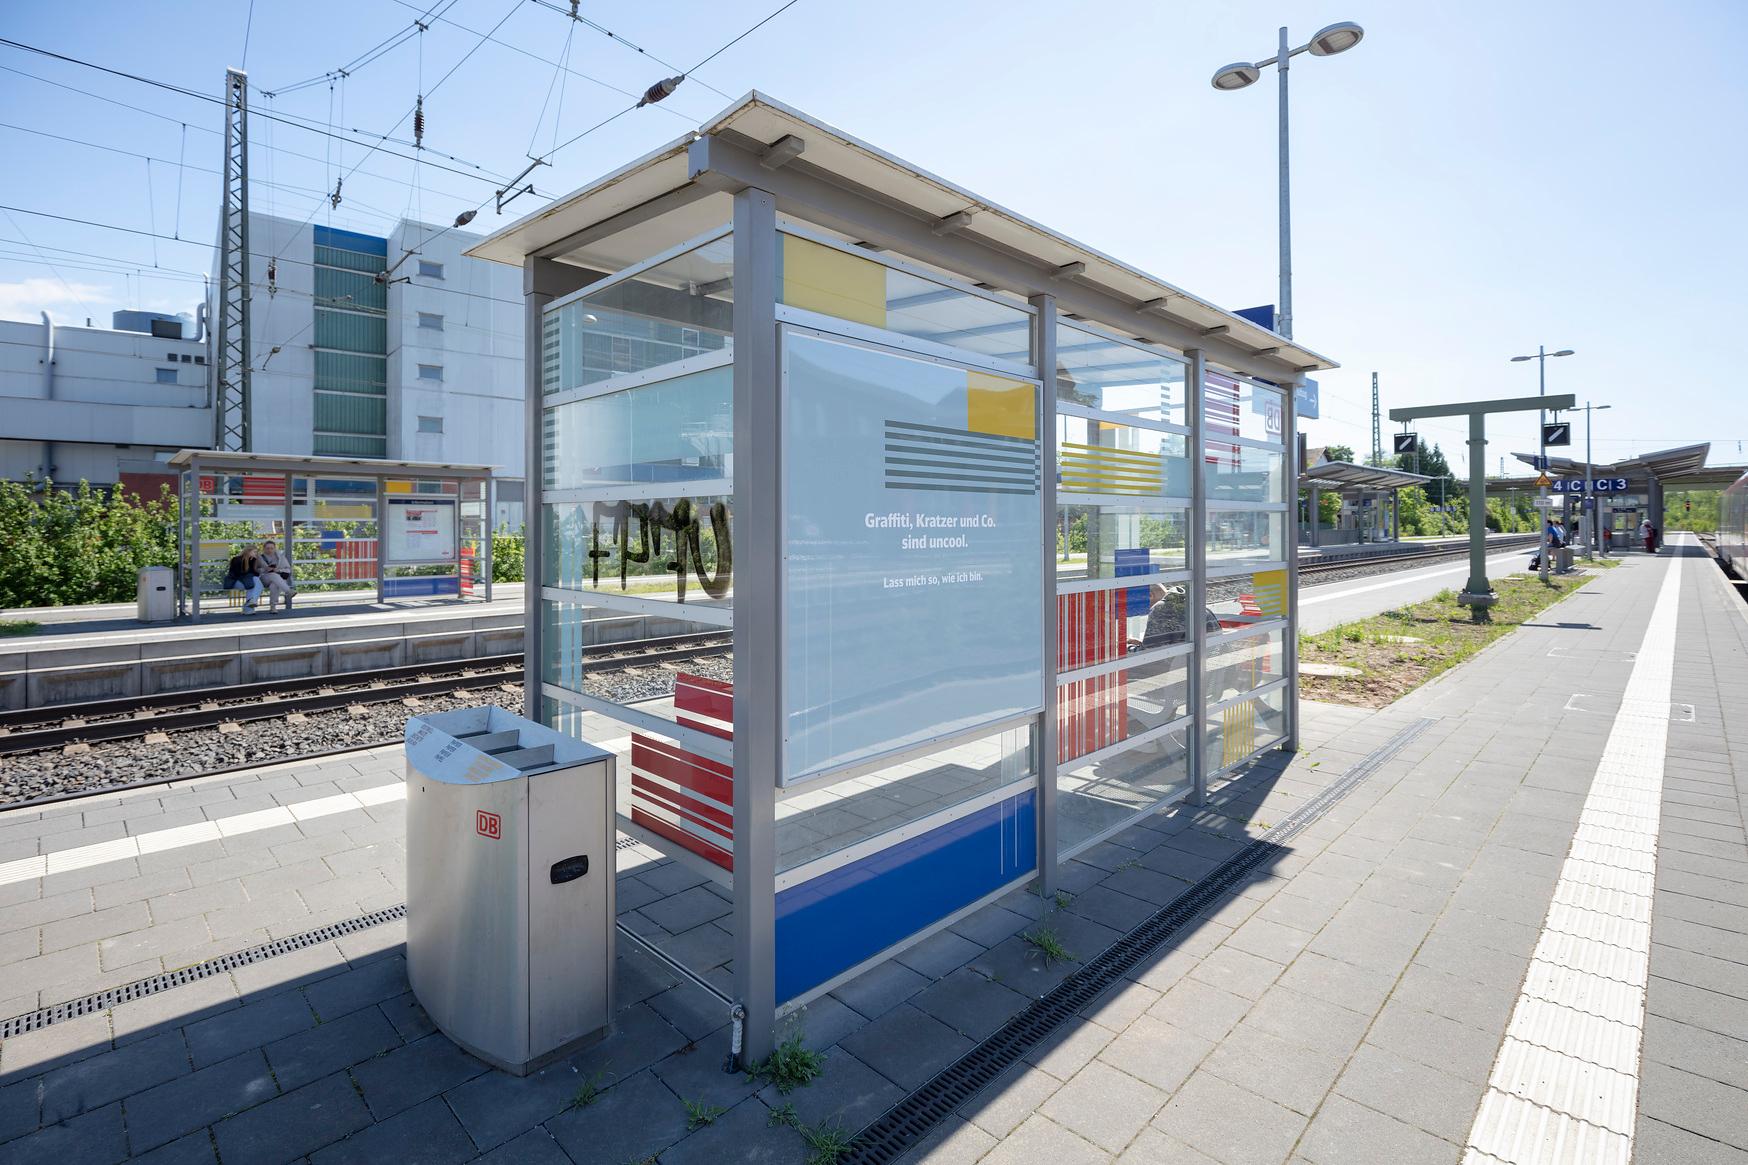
{"x": 489, "y": 825}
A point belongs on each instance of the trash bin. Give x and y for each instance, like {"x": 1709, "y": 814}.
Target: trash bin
{"x": 1563, "y": 559}
{"x": 156, "y": 594}
{"x": 510, "y": 872}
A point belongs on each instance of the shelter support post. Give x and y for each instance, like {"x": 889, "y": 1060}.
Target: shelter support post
{"x": 1197, "y": 537}
{"x": 1654, "y": 504}
{"x": 1290, "y": 637}
{"x": 758, "y": 609}
{"x": 382, "y": 542}
{"x": 1478, "y": 592}
{"x": 1316, "y": 505}
{"x": 1044, "y": 352}
{"x": 489, "y": 500}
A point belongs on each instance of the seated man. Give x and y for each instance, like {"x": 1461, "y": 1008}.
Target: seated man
{"x": 243, "y": 574}
{"x": 276, "y": 575}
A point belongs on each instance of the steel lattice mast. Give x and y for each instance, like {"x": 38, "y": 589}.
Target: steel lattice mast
{"x": 231, "y": 335}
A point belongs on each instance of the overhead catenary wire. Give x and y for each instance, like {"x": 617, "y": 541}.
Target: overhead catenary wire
{"x": 639, "y": 49}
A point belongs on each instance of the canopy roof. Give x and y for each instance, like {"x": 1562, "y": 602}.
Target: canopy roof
{"x": 1347, "y": 475}
{"x": 655, "y": 203}
{"x": 321, "y": 466}
{"x": 1664, "y": 465}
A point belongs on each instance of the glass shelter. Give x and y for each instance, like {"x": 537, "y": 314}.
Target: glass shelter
{"x": 899, "y": 547}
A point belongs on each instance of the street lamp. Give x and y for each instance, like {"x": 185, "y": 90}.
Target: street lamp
{"x": 1543, "y": 356}
{"x": 1336, "y": 38}
{"x": 1592, "y": 538}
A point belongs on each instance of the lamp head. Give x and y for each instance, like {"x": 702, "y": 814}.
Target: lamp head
{"x": 1561, "y": 352}
{"x": 1238, "y": 75}
{"x": 1521, "y": 359}
{"x": 1337, "y": 38}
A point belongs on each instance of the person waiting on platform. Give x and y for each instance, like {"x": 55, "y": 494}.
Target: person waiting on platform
{"x": 244, "y": 574}
{"x": 276, "y": 575}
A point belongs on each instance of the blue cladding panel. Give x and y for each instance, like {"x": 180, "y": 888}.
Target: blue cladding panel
{"x": 1129, "y": 563}
{"x": 830, "y": 923}
{"x": 350, "y": 241}
{"x": 420, "y": 585}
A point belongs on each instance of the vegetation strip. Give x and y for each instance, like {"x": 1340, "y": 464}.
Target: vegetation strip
{"x": 1396, "y": 651}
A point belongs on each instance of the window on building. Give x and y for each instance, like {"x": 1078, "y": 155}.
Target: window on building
{"x": 430, "y": 424}
{"x": 200, "y": 359}
{"x": 430, "y": 270}
{"x": 187, "y": 359}
{"x": 166, "y": 376}
{"x": 430, "y": 319}
{"x": 171, "y": 357}
{"x": 430, "y": 372}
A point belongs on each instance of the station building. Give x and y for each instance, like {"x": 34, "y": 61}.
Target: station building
{"x": 990, "y": 529}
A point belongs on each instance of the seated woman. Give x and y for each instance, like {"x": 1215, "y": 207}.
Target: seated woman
{"x": 243, "y": 574}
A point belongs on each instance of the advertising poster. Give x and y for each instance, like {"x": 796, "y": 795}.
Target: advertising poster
{"x": 913, "y": 592}
{"x": 420, "y": 529}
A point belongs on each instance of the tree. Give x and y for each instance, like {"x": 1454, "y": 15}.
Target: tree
{"x": 1691, "y": 510}
{"x": 1338, "y": 453}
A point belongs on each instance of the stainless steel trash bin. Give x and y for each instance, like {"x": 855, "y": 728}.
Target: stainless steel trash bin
{"x": 156, "y": 595}
{"x": 510, "y": 870}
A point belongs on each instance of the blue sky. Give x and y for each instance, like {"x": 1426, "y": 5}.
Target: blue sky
{"x": 1470, "y": 181}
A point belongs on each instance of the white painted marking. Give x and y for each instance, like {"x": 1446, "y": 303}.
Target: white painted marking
{"x": 1308, "y": 596}
{"x": 1565, "y": 1087}
{"x": 159, "y": 840}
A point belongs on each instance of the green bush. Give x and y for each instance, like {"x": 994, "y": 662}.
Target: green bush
{"x": 508, "y": 548}
{"x": 63, "y": 548}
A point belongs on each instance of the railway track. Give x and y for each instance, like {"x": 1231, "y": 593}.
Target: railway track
{"x": 1493, "y": 547}
{"x": 58, "y": 726}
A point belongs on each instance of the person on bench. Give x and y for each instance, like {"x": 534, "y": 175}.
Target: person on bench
{"x": 243, "y": 574}
{"x": 276, "y": 575}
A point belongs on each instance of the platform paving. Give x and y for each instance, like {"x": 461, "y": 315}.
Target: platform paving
{"x": 1347, "y": 1004}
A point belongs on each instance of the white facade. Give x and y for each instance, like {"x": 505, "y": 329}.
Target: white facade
{"x": 453, "y": 347}
{"x": 83, "y": 403}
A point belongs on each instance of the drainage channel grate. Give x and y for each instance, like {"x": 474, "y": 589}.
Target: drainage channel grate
{"x": 103, "y": 1000}
{"x": 906, "y": 1123}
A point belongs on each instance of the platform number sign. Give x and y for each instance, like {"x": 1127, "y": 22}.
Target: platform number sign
{"x": 1407, "y": 442}
{"x": 1557, "y": 433}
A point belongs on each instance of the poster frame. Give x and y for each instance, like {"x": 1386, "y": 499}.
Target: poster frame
{"x": 451, "y": 503}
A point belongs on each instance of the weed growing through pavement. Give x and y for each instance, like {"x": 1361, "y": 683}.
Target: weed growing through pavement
{"x": 699, "y": 1113}
{"x": 1046, "y": 942}
{"x": 826, "y": 1143}
{"x": 790, "y": 1065}
{"x": 589, "y": 1092}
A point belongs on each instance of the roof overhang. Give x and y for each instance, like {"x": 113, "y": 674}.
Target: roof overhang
{"x": 1347, "y": 475}
{"x": 1664, "y": 465}
{"x": 219, "y": 462}
{"x": 838, "y": 182}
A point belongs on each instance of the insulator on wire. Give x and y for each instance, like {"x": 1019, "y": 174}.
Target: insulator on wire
{"x": 272, "y": 276}
{"x": 334, "y": 198}
{"x": 660, "y": 90}
{"x": 419, "y": 123}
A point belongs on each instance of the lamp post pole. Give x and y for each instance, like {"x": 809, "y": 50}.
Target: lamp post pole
{"x": 1541, "y": 358}
{"x": 1335, "y": 38}
{"x": 1593, "y": 535}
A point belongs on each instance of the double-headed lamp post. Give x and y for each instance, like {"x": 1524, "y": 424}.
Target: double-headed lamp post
{"x": 1336, "y": 38}
{"x": 1592, "y": 531}
{"x": 1542, "y": 357}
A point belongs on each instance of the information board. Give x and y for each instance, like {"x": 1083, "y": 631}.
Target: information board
{"x": 419, "y": 530}
{"x": 913, "y": 590}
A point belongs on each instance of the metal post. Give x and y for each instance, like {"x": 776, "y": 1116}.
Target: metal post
{"x": 1285, "y": 318}
{"x": 290, "y": 540}
{"x": 1196, "y": 537}
{"x": 1316, "y": 498}
{"x": 758, "y": 613}
{"x": 382, "y": 543}
{"x": 231, "y": 350}
{"x": 1478, "y": 590}
{"x": 193, "y": 528}
{"x": 1044, "y": 356}
{"x": 1588, "y": 498}
{"x": 1542, "y": 469}
{"x": 1290, "y": 637}
{"x": 489, "y": 499}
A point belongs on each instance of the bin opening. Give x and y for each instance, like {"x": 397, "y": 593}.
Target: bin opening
{"x": 508, "y": 747}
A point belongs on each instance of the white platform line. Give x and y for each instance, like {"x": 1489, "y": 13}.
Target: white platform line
{"x": 159, "y": 840}
{"x": 1565, "y": 1088}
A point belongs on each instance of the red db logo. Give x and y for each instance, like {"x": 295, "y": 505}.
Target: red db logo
{"x": 489, "y": 825}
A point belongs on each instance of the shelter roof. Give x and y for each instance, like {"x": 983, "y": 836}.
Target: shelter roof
{"x": 654, "y": 203}
{"x": 1347, "y": 475}
{"x": 320, "y": 466}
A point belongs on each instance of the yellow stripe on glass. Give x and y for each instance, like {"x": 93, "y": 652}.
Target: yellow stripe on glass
{"x": 1270, "y": 589}
{"x": 996, "y": 404}
{"x": 826, "y": 280}
{"x": 1238, "y": 736}
{"x": 1102, "y": 469}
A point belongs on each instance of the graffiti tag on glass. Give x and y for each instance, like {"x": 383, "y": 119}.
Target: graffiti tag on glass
{"x": 654, "y": 521}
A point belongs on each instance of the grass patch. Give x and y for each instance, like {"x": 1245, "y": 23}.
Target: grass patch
{"x": 789, "y": 1066}
{"x": 1045, "y": 941}
{"x": 1397, "y": 651}
{"x": 699, "y": 1113}
{"x": 827, "y": 1144}
{"x": 589, "y": 1092}
{"x": 19, "y": 626}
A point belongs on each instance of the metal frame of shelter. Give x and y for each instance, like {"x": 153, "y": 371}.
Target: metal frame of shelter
{"x": 810, "y": 231}
{"x": 1363, "y": 480}
{"x": 388, "y": 480}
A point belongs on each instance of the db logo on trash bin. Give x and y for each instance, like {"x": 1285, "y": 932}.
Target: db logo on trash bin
{"x": 489, "y": 825}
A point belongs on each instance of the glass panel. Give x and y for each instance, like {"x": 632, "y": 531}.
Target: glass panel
{"x": 350, "y": 412}
{"x": 1117, "y": 378}
{"x": 351, "y": 331}
{"x": 1241, "y": 731}
{"x": 912, "y": 525}
{"x": 1098, "y": 712}
{"x": 677, "y": 550}
{"x": 1118, "y": 541}
{"x": 1242, "y": 409}
{"x": 1103, "y": 457}
{"x": 1094, "y": 798}
{"x": 346, "y": 372}
{"x": 355, "y": 290}
{"x": 670, "y": 312}
{"x": 1239, "y": 600}
{"x": 603, "y": 653}
{"x": 674, "y": 431}
{"x": 1241, "y": 473}
{"x": 1243, "y": 664}
{"x": 1236, "y": 536}
{"x": 824, "y": 279}
{"x": 821, "y": 820}
{"x": 326, "y": 445}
